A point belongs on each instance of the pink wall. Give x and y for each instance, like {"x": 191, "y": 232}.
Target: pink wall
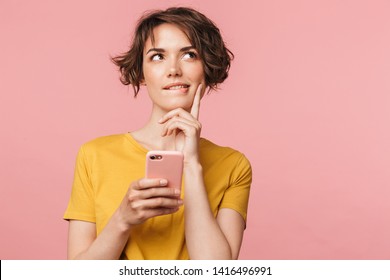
{"x": 308, "y": 101}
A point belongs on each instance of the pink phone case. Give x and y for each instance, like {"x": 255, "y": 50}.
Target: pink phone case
{"x": 167, "y": 165}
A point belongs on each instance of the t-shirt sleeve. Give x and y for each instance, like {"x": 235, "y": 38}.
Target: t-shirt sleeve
{"x": 81, "y": 204}
{"x": 236, "y": 196}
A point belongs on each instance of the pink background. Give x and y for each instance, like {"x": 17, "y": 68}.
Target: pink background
{"x": 307, "y": 100}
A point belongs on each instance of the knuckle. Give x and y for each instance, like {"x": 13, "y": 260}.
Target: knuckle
{"x": 132, "y": 198}
{"x": 153, "y": 192}
{"x": 141, "y": 216}
{"x": 159, "y": 201}
{"x": 133, "y": 185}
{"x": 140, "y": 183}
{"x": 134, "y": 206}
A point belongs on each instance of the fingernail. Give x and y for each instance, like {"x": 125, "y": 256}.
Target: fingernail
{"x": 177, "y": 192}
{"x": 179, "y": 201}
{"x": 163, "y": 182}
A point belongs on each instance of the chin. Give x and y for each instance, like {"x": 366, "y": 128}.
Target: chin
{"x": 174, "y": 105}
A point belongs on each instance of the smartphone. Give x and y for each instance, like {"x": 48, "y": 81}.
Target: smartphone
{"x": 167, "y": 165}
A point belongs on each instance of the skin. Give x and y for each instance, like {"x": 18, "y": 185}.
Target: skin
{"x": 173, "y": 125}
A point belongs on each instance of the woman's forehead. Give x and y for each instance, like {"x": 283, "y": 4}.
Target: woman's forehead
{"x": 167, "y": 32}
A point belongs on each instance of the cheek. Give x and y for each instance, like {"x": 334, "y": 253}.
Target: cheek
{"x": 151, "y": 74}
{"x": 197, "y": 73}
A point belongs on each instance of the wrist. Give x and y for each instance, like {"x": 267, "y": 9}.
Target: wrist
{"x": 193, "y": 170}
{"x": 120, "y": 222}
{"x": 192, "y": 164}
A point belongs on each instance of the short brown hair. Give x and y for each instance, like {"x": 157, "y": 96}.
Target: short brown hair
{"x": 203, "y": 34}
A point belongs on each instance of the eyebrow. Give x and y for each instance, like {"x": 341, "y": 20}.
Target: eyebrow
{"x": 163, "y": 50}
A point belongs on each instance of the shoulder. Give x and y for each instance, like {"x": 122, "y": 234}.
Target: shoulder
{"x": 105, "y": 141}
{"x": 104, "y": 144}
{"x": 210, "y": 151}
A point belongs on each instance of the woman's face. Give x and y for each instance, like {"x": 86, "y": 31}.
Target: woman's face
{"x": 172, "y": 68}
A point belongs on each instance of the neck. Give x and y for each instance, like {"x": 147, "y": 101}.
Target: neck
{"x": 149, "y": 135}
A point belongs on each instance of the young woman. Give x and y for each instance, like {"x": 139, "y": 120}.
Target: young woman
{"x": 114, "y": 212}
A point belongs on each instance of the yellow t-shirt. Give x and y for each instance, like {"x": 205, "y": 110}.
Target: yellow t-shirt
{"x": 105, "y": 168}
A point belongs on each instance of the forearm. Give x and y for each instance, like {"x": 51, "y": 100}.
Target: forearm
{"x": 204, "y": 237}
{"x": 109, "y": 244}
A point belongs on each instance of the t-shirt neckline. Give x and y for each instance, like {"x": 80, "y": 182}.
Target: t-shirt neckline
{"x": 145, "y": 150}
{"x": 135, "y": 143}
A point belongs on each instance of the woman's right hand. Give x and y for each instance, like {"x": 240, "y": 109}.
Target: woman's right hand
{"x": 147, "y": 198}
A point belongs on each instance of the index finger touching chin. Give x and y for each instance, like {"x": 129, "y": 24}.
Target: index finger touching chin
{"x": 196, "y": 103}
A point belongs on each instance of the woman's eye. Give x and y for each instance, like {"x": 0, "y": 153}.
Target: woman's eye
{"x": 157, "y": 57}
{"x": 190, "y": 55}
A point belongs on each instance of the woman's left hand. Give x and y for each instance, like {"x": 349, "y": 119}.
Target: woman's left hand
{"x": 186, "y": 127}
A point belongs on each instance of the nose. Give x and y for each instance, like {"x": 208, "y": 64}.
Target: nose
{"x": 174, "y": 69}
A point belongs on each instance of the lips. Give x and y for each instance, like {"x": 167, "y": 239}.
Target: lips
{"x": 176, "y": 86}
